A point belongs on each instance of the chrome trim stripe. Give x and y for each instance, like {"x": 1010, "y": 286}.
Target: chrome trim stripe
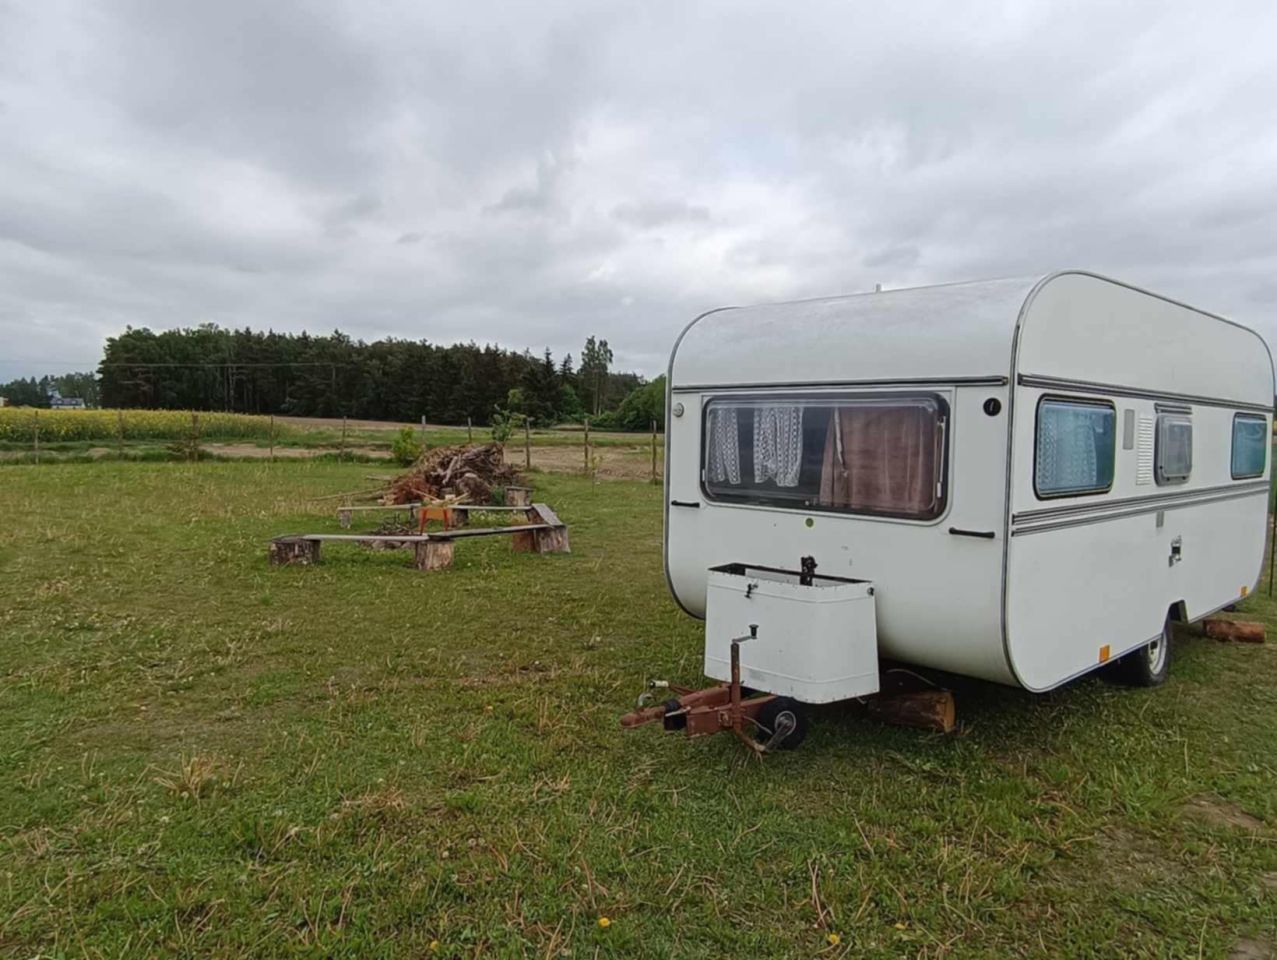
{"x": 1093, "y": 506}
{"x": 992, "y": 381}
{"x": 1133, "y": 512}
{"x": 1118, "y": 390}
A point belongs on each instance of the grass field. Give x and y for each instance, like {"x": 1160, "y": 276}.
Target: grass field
{"x": 201, "y": 755}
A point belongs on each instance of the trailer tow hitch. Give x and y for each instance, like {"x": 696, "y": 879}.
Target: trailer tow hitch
{"x": 715, "y": 709}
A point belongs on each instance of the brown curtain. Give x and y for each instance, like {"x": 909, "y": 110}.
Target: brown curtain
{"x": 881, "y": 460}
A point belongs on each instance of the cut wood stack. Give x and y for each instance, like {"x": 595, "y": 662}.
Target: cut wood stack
{"x": 470, "y": 472}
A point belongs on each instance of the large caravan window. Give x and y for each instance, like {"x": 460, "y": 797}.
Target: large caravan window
{"x": 1074, "y": 453}
{"x": 1174, "y": 456}
{"x": 881, "y": 455}
{"x": 1250, "y": 446}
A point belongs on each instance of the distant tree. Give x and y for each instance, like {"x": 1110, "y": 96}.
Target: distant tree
{"x": 643, "y": 406}
{"x": 593, "y": 374}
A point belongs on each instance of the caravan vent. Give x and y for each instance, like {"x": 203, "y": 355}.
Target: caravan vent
{"x": 1144, "y": 451}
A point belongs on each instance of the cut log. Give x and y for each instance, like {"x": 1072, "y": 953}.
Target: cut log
{"x": 553, "y": 540}
{"x": 434, "y": 554}
{"x": 923, "y": 709}
{"x": 518, "y": 496}
{"x": 287, "y": 550}
{"x": 1241, "y": 631}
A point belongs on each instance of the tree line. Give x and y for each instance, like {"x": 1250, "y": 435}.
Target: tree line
{"x": 33, "y": 392}
{"x": 244, "y": 371}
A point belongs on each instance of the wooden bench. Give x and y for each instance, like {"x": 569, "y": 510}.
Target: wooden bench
{"x": 432, "y": 551}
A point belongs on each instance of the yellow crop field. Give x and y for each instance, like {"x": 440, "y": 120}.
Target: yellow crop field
{"x": 18, "y": 425}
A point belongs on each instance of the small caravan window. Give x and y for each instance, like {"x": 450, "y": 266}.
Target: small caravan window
{"x": 1074, "y": 452}
{"x": 1250, "y": 446}
{"x": 1174, "y": 456}
{"x": 866, "y": 455}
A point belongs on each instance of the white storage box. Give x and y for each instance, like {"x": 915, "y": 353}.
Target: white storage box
{"x": 816, "y": 643}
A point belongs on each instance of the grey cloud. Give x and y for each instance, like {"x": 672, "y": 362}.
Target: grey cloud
{"x": 656, "y": 213}
{"x": 530, "y": 176}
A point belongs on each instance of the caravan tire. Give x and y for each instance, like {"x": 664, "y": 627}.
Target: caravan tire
{"x": 1148, "y": 666}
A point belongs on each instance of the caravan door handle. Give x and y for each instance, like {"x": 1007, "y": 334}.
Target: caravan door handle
{"x": 978, "y": 534}
{"x": 685, "y": 503}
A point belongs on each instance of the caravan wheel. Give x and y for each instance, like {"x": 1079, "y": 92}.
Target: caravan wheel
{"x": 782, "y": 724}
{"x": 1148, "y": 666}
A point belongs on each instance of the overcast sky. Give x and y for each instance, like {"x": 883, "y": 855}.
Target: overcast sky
{"x": 529, "y": 174}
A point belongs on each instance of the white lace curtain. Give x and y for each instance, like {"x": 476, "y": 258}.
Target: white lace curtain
{"x": 724, "y": 445}
{"x": 778, "y": 444}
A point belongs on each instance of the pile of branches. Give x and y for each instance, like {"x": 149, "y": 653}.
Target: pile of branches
{"x": 469, "y": 472}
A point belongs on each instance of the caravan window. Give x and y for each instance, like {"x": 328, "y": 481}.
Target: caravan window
{"x": 881, "y": 456}
{"x": 1250, "y": 446}
{"x": 1174, "y": 456}
{"x": 1074, "y": 450}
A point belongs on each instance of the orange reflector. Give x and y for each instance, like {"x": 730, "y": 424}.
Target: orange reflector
{"x": 1104, "y": 653}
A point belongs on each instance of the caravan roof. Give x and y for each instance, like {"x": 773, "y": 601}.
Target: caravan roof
{"x": 1070, "y": 324}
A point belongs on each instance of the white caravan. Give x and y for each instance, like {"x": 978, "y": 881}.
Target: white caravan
{"x": 1033, "y": 478}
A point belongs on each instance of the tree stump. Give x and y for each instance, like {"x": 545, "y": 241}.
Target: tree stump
{"x": 433, "y": 554}
{"x": 286, "y": 550}
{"x": 343, "y": 517}
{"x": 518, "y": 496}
{"x": 923, "y": 709}
{"x": 554, "y": 540}
{"x": 522, "y": 541}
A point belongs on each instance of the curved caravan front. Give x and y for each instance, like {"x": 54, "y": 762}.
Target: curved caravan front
{"x": 895, "y": 437}
{"x": 811, "y": 389}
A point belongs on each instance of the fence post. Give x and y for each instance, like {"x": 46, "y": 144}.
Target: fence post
{"x": 653, "y": 451}
{"x": 343, "y": 437}
{"x": 195, "y": 436}
{"x": 469, "y": 431}
{"x": 527, "y": 442}
{"x": 423, "y": 431}
{"x": 37, "y": 434}
{"x": 587, "y": 445}
{"x": 119, "y": 415}
{"x": 272, "y": 438}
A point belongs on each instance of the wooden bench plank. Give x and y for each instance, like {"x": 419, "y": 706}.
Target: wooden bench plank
{"x": 488, "y": 531}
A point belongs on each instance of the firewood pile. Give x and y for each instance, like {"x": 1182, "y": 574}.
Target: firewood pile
{"x": 466, "y": 473}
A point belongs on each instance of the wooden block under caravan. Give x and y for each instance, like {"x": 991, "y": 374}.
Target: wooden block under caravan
{"x": 923, "y": 709}
{"x": 1239, "y": 630}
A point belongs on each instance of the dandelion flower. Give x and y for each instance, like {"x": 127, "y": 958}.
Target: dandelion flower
{"x": 834, "y": 939}
{"x": 604, "y": 923}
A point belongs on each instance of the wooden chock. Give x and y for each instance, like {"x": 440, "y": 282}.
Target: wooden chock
{"x": 921, "y": 709}
{"x": 1241, "y": 631}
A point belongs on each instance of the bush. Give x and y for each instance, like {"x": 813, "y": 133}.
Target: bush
{"x": 406, "y": 448}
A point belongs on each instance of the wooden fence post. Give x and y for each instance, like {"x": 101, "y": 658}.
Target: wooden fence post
{"x": 194, "y": 453}
{"x": 469, "y": 431}
{"x": 527, "y": 442}
{"x": 272, "y": 438}
{"x": 343, "y": 437}
{"x": 587, "y": 444}
{"x": 423, "y": 431}
{"x": 37, "y": 435}
{"x": 119, "y": 414}
{"x": 653, "y": 451}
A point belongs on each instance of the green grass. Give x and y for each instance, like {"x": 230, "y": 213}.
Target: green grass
{"x": 203, "y": 755}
